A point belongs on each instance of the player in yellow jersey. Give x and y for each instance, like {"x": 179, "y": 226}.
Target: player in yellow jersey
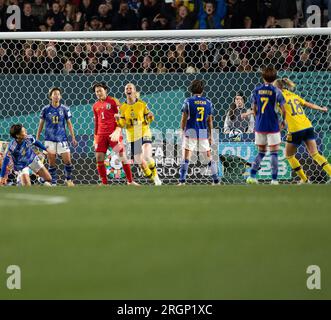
{"x": 300, "y": 129}
{"x": 135, "y": 116}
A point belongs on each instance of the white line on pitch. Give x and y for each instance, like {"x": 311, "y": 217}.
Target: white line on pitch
{"x": 35, "y": 199}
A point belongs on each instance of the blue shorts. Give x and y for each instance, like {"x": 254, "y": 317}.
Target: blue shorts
{"x": 298, "y": 137}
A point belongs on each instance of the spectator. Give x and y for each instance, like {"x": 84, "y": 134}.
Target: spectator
{"x": 147, "y": 65}
{"x": 144, "y": 25}
{"x": 3, "y": 15}
{"x": 285, "y": 12}
{"x": 68, "y": 27}
{"x": 212, "y": 14}
{"x": 149, "y": 9}
{"x": 236, "y": 117}
{"x": 39, "y": 10}
{"x": 52, "y": 63}
{"x": 68, "y": 67}
{"x": 265, "y": 10}
{"x": 125, "y": 18}
{"x": 28, "y": 21}
{"x": 244, "y": 65}
{"x": 87, "y": 11}
{"x": 58, "y": 16}
{"x": 104, "y": 15}
{"x": 160, "y": 22}
{"x": 272, "y": 22}
{"x": 94, "y": 24}
{"x": 49, "y": 24}
{"x": 186, "y": 19}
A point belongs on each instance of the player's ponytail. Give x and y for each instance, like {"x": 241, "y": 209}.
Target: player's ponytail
{"x": 137, "y": 95}
{"x": 289, "y": 84}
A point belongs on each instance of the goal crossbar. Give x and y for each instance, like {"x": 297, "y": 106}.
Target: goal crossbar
{"x": 192, "y": 34}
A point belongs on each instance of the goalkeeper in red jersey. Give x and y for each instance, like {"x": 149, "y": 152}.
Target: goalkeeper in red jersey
{"x": 104, "y": 126}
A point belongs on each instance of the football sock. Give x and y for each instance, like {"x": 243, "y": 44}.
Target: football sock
{"x": 183, "y": 170}
{"x": 152, "y": 166}
{"x": 274, "y": 165}
{"x": 147, "y": 172}
{"x": 68, "y": 171}
{"x": 102, "y": 171}
{"x": 295, "y": 165}
{"x": 213, "y": 168}
{"x": 322, "y": 162}
{"x": 128, "y": 172}
{"x": 52, "y": 172}
{"x": 256, "y": 164}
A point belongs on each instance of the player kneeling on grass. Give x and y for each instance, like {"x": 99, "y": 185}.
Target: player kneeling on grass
{"x": 22, "y": 155}
{"x": 265, "y": 99}
{"x": 56, "y": 116}
{"x": 197, "y": 125}
{"x": 300, "y": 129}
{"x": 135, "y": 117}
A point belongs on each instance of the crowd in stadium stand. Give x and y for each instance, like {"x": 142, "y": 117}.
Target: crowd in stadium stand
{"x": 306, "y": 54}
{"x": 68, "y": 15}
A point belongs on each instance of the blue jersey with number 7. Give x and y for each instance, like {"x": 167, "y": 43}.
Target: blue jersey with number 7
{"x": 266, "y": 97}
{"x": 198, "y": 110}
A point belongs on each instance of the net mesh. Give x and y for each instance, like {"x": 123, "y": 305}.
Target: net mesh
{"x": 162, "y": 70}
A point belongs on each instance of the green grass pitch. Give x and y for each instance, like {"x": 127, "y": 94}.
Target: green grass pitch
{"x": 191, "y": 242}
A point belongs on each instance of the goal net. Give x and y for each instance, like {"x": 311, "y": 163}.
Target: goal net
{"x": 162, "y": 66}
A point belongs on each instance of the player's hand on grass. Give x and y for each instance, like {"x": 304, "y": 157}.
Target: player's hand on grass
{"x": 3, "y": 181}
{"x": 115, "y": 136}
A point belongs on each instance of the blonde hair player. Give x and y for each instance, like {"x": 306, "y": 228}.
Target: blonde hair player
{"x": 136, "y": 117}
{"x": 300, "y": 129}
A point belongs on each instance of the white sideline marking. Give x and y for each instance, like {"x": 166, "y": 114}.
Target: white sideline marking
{"x": 30, "y": 199}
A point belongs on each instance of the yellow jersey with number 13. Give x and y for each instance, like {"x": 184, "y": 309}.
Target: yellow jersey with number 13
{"x": 295, "y": 115}
{"x": 133, "y": 119}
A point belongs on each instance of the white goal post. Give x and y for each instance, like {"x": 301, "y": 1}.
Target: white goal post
{"x": 162, "y": 64}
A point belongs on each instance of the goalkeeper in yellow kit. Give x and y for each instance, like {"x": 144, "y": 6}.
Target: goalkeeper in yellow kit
{"x": 300, "y": 129}
{"x": 135, "y": 116}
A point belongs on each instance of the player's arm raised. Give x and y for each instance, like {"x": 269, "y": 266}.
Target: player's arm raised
{"x": 315, "y": 107}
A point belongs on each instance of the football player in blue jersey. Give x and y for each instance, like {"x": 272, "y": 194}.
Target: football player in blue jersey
{"x": 21, "y": 154}
{"x": 196, "y": 125}
{"x": 267, "y": 100}
{"x": 56, "y": 116}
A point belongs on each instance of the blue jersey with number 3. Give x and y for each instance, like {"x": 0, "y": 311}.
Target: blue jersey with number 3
{"x": 198, "y": 110}
{"x": 55, "y": 122}
{"x": 267, "y": 97}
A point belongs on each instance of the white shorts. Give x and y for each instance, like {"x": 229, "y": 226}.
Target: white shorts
{"x": 57, "y": 147}
{"x": 201, "y": 145}
{"x": 270, "y": 139}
